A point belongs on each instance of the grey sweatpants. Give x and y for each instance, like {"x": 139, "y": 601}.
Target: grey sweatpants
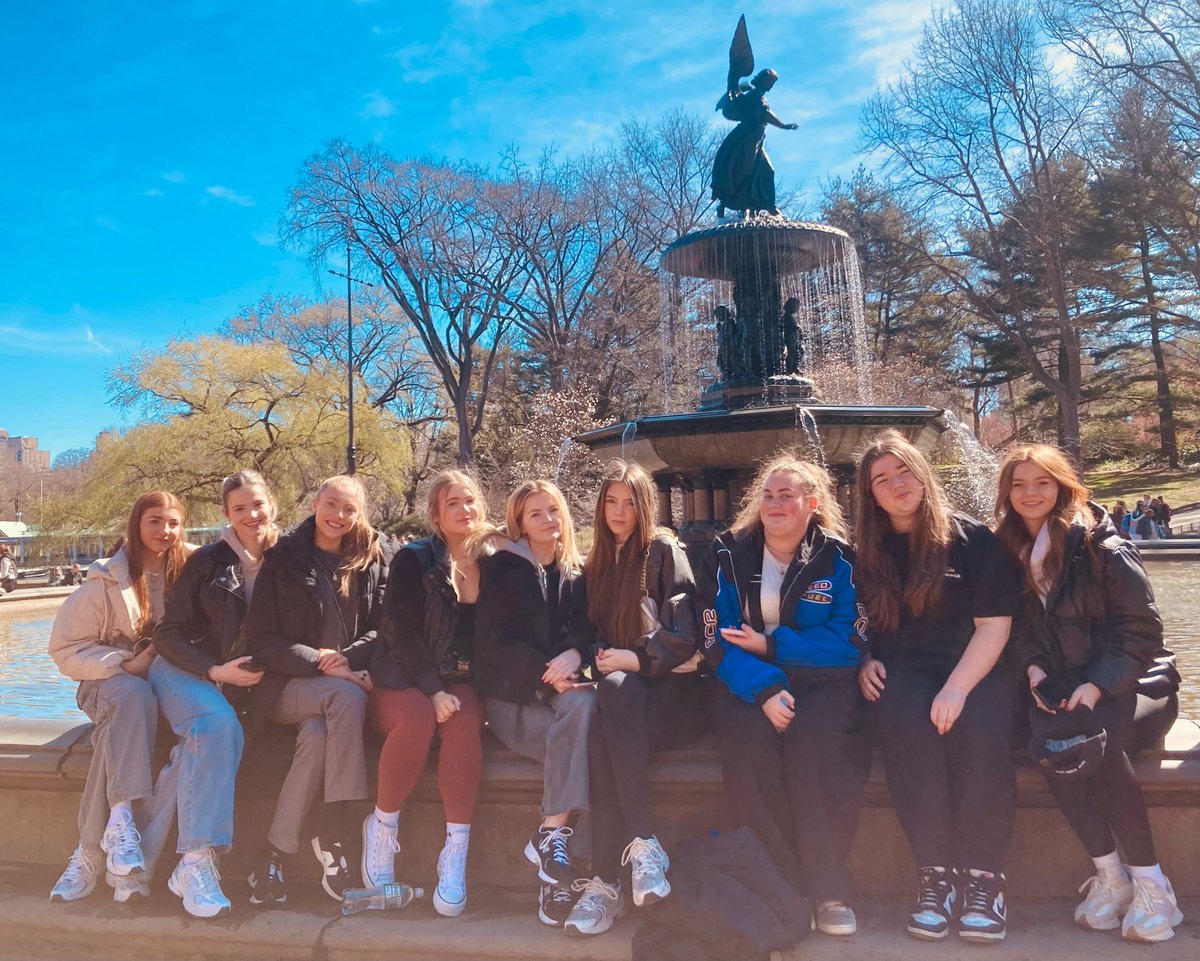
{"x": 329, "y": 714}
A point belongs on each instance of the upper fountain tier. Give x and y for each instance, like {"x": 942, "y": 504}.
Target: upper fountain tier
{"x": 775, "y": 246}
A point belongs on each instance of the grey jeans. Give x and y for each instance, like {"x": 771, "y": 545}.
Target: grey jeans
{"x": 554, "y": 733}
{"x": 329, "y": 714}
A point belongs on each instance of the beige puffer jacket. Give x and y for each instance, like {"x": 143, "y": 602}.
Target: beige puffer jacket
{"x": 95, "y": 629}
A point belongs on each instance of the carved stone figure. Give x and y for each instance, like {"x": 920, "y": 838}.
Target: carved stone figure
{"x": 791, "y": 335}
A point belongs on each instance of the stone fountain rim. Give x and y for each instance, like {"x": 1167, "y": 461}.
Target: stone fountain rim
{"x": 765, "y": 224}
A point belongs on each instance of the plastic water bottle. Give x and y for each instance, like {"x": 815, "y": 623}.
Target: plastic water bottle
{"x": 382, "y": 897}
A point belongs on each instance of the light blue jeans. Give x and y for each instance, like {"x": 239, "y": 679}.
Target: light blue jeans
{"x": 203, "y": 768}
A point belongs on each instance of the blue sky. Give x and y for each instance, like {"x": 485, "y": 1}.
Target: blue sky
{"x": 146, "y": 149}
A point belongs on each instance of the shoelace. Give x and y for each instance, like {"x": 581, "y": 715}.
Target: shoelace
{"x": 78, "y": 867}
{"x": 1098, "y": 885}
{"x": 595, "y": 893}
{"x": 452, "y": 864}
{"x": 647, "y": 857}
{"x": 1143, "y": 897}
{"x": 978, "y": 897}
{"x": 207, "y": 877}
{"x": 384, "y": 843}
{"x": 127, "y": 834}
{"x": 554, "y": 843}
{"x": 933, "y": 887}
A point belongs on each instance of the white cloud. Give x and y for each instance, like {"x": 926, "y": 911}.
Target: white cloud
{"x": 378, "y": 105}
{"x": 152, "y": 192}
{"x": 174, "y": 177}
{"x": 30, "y": 333}
{"x": 226, "y": 193}
{"x": 886, "y": 33}
{"x": 267, "y": 238}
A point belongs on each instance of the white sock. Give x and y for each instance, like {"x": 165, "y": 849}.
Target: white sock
{"x": 119, "y": 811}
{"x": 1152, "y": 873}
{"x": 191, "y": 857}
{"x": 458, "y": 833}
{"x": 1110, "y": 866}
{"x": 388, "y": 819}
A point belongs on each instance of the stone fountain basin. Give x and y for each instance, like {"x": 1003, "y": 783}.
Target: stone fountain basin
{"x": 773, "y": 244}
{"x": 738, "y": 439}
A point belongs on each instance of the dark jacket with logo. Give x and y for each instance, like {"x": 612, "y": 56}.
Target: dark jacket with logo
{"x": 514, "y": 633}
{"x": 1099, "y": 622}
{"x": 282, "y": 627}
{"x": 821, "y": 624}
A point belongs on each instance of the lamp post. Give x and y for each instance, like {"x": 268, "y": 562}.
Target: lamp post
{"x": 351, "y": 462}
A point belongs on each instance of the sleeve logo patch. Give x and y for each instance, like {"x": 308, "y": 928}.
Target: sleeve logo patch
{"x": 821, "y": 586}
{"x": 815, "y": 597}
{"x": 952, "y": 574}
{"x": 710, "y": 626}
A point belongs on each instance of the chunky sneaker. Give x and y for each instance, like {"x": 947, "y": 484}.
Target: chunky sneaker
{"x": 199, "y": 884}
{"x": 836, "y": 918}
{"x": 555, "y": 902}
{"x": 648, "y": 864}
{"x": 548, "y": 850}
{"x": 984, "y": 915}
{"x": 128, "y": 887}
{"x": 450, "y": 895}
{"x": 935, "y": 904}
{"x": 267, "y": 883}
{"x": 599, "y": 905}
{"x": 78, "y": 879}
{"x": 335, "y": 869}
{"x": 1105, "y": 903}
{"x": 1153, "y": 913}
{"x": 379, "y": 849}
{"x": 123, "y": 845}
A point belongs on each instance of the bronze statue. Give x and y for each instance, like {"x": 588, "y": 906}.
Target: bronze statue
{"x": 792, "y": 336}
{"x": 742, "y": 177}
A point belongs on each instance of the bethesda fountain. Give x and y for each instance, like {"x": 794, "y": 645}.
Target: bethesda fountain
{"x": 780, "y": 305}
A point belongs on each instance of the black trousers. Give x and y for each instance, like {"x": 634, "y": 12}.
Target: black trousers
{"x": 1110, "y": 803}
{"x": 955, "y": 794}
{"x": 635, "y": 715}
{"x": 800, "y": 791}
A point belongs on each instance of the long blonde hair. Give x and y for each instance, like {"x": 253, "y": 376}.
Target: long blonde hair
{"x": 928, "y": 542}
{"x": 615, "y": 579}
{"x": 814, "y": 481}
{"x": 252, "y": 478}
{"x": 568, "y": 554}
{"x": 481, "y": 539}
{"x": 1070, "y": 507}
{"x": 360, "y": 545}
{"x": 135, "y": 553}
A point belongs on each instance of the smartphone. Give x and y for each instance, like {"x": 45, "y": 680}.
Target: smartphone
{"x": 253, "y": 665}
{"x": 1052, "y": 692}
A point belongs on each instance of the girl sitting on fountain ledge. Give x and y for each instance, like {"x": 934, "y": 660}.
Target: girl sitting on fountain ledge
{"x": 783, "y": 632}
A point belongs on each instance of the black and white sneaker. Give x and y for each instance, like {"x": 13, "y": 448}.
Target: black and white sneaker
{"x": 935, "y": 904}
{"x": 555, "y": 902}
{"x": 267, "y": 884}
{"x": 335, "y": 868}
{"x": 984, "y": 915}
{"x": 548, "y": 850}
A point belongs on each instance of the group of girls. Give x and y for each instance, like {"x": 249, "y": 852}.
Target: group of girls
{"x": 794, "y": 645}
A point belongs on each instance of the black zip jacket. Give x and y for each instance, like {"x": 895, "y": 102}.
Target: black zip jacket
{"x": 514, "y": 635}
{"x": 1099, "y": 623}
{"x": 670, "y": 584}
{"x": 282, "y": 627}
{"x": 420, "y": 616}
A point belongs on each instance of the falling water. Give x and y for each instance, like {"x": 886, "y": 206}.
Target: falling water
{"x": 627, "y": 436}
{"x": 806, "y": 422}
{"x": 562, "y": 456}
{"x": 980, "y": 469}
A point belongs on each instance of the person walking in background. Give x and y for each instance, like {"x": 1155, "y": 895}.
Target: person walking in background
{"x": 102, "y": 638}
{"x": 1087, "y": 633}
{"x": 784, "y": 634}
{"x": 313, "y": 619}
{"x": 940, "y": 593}
{"x": 424, "y": 672}
{"x": 8, "y": 571}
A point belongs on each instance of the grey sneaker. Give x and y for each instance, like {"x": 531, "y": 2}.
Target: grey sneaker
{"x": 128, "y": 887}
{"x": 199, "y": 885}
{"x": 648, "y": 863}
{"x": 1153, "y": 914}
{"x": 599, "y": 905}
{"x": 78, "y": 879}
{"x": 123, "y": 845}
{"x": 836, "y": 918}
{"x": 1105, "y": 903}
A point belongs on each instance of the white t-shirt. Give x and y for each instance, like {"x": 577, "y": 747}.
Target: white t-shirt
{"x": 770, "y": 590}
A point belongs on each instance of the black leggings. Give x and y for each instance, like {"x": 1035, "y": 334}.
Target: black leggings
{"x": 1110, "y": 803}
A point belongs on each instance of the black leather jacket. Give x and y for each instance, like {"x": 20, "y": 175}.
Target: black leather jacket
{"x": 1099, "y": 623}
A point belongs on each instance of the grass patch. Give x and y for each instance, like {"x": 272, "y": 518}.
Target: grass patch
{"x": 1181, "y": 488}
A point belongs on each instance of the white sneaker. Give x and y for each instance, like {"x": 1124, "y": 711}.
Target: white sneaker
{"x": 380, "y": 847}
{"x": 836, "y": 918}
{"x": 1105, "y": 903}
{"x": 450, "y": 895}
{"x": 199, "y": 885}
{"x": 648, "y": 864}
{"x": 123, "y": 845}
{"x": 599, "y": 905}
{"x": 1153, "y": 914}
{"x": 78, "y": 879}
{"x": 125, "y": 888}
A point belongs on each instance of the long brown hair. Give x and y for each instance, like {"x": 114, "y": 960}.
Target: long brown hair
{"x": 928, "y": 542}
{"x": 567, "y": 553}
{"x": 814, "y": 481}
{"x": 252, "y": 478}
{"x": 1070, "y": 507}
{"x": 615, "y": 578}
{"x": 135, "y": 553}
{"x": 360, "y": 545}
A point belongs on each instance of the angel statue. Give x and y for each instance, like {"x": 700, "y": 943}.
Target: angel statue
{"x": 743, "y": 178}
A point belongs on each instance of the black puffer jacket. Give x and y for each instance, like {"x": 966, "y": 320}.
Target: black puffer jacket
{"x": 282, "y": 627}
{"x": 420, "y": 617}
{"x": 1099, "y": 623}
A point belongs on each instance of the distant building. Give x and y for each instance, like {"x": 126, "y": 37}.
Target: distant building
{"x": 23, "y": 452}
